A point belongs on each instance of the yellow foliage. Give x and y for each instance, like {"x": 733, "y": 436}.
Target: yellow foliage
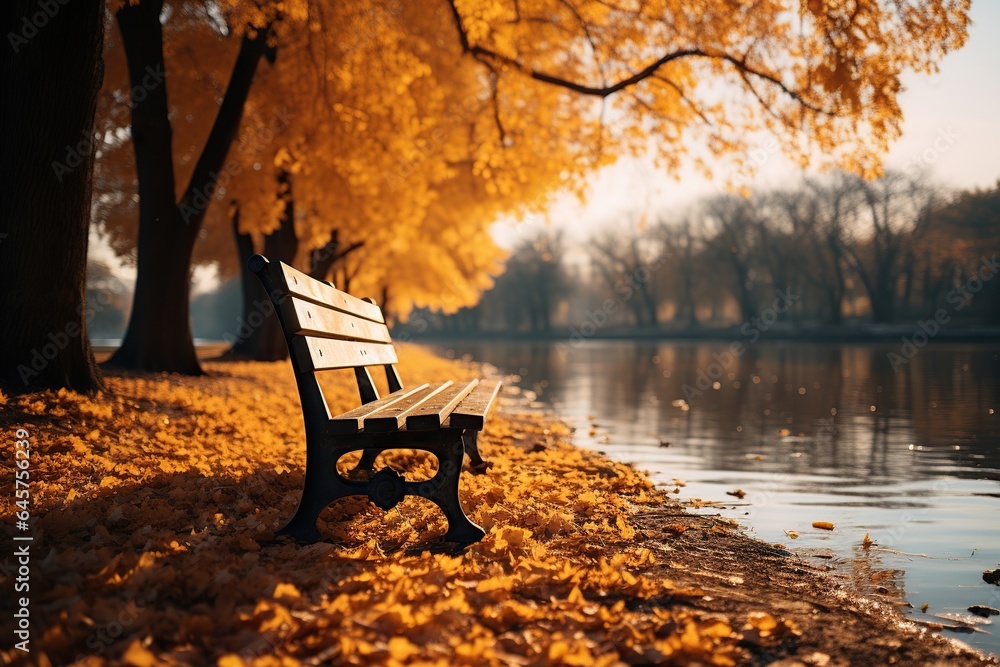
{"x": 412, "y": 126}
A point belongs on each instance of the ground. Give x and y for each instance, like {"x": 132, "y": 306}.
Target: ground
{"x": 156, "y": 502}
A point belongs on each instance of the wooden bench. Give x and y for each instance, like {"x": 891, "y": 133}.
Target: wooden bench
{"x": 327, "y": 329}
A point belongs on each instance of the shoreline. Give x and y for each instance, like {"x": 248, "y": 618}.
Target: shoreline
{"x": 160, "y": 498}
{"x": 847, "y": 335}
{"x": 785, "y": 577}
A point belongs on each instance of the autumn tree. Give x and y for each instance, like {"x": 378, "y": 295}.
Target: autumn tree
{"x": 158, "y": 336}
{"x": 398, "y": 131}
{"x": 419, "y": 208}
{"x": 52, "y": 71}
{"x": 962, "y": 236}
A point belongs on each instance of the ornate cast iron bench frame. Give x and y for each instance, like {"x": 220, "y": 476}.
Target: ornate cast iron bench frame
{"x": 327, "y": 329}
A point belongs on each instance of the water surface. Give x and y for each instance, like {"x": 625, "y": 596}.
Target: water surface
{"x": 810, "y": 433}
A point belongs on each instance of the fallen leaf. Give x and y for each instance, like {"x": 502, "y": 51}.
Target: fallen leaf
{"x": 400, "y": 648}
{"x": 983, "y": 610}
{"x": 283, "y": 590}
{"x": 137, "y": 655}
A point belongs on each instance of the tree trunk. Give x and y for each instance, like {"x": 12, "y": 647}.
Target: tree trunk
{"x": 838, "y": 289}
{"x": 390, "y": 321}
{"x": 258, "y": 334}
{"x": 322, "y": 260}
{"x": 52, "y": 74}
{"x": 744, "y": 296}
{"x": 687, "y": 290}
{"x": 158, "y": 337}
{"x": 651, "y": 306}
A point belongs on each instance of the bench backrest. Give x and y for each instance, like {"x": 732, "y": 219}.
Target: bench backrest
{"x": 327, "y": 329}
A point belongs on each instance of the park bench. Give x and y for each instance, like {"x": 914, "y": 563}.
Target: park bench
{"x": 326, "y": 329}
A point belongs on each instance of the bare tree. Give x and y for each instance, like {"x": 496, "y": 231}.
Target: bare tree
{"x": 730, "y": 221}
{"x": 817, "y": 212}
{"x": 627, "y": 260}
{"x": 890, "y": 211}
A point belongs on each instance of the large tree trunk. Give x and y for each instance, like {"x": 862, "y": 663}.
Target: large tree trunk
{"x": 158, "y": 337}
{"x": 51, "y": 78}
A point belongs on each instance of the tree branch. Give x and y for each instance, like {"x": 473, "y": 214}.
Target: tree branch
{"x": 227, "y": 121}
{"x": 489, "y": 57}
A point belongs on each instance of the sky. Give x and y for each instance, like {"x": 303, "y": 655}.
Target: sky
{"x": 957, "y": 110}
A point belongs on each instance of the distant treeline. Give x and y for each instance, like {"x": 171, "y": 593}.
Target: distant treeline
{"x": 832, "y": 251}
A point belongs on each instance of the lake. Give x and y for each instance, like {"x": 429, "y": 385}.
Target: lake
{"x": 905, "y": 451}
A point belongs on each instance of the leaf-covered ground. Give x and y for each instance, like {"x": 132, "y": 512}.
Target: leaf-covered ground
{"x": 156, "y": 502}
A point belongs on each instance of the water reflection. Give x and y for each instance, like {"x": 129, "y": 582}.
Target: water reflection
{"x": 802, "y": 407}
{"x": 810, "y": 432}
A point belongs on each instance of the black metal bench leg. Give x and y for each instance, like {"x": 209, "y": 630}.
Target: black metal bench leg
{"x": 476, "y": 462}
{"x": 321, "y": 487}
{"x": 366, "y": 466}
{"x": 460, "y": 528}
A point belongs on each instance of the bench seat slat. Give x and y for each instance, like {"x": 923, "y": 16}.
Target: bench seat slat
{"x": 471, "y": 413}
{"x": 393, "y": 418}
{"x": 305, "y": 318}
{"x": 351, "y": 421}
{"x": 432, "y": 413}
{"x": 301, "y": 285}
{"x": 321, "y": 354}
